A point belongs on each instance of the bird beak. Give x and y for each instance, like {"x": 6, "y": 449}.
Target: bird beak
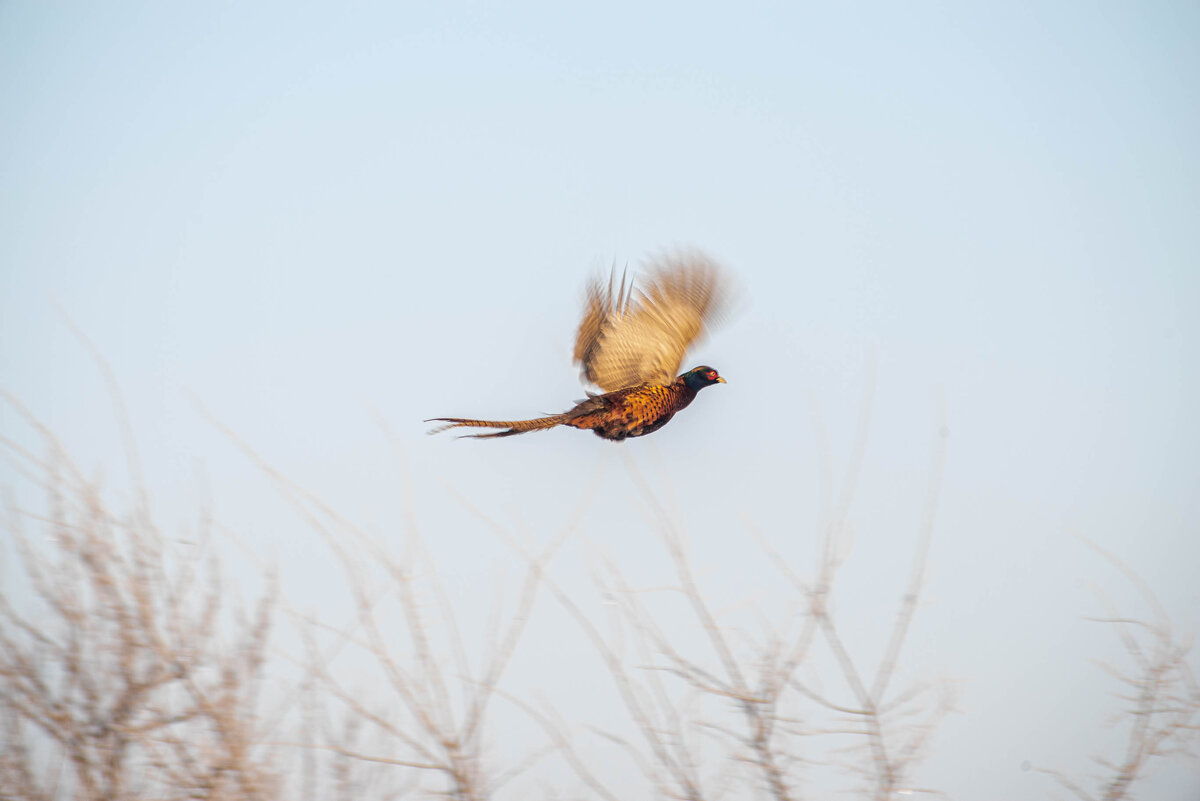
{"x": 720, "y": 380}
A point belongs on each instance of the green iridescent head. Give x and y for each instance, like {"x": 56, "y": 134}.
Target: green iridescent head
{"x": 700, "y": 377}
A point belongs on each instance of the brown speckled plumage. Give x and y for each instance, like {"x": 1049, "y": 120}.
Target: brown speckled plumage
{"x": 632, "y": 346}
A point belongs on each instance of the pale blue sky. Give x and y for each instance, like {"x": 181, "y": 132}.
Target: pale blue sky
{"x": 306, "y": 216}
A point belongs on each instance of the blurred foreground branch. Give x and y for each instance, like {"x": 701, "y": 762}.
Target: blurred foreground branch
{"x": 115, "y": 679}
{"x": 1160, "y": 696}
{"x": 425, "y": 712}
{"x": 729, "y": 711}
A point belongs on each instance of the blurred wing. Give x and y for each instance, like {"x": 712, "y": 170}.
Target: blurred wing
{"x": 627, "y": 339}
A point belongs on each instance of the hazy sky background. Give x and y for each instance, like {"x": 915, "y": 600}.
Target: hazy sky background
{"x": 312, "y": 217}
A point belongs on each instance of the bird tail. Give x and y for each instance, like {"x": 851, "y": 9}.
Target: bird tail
{"x": 513, "y": 426}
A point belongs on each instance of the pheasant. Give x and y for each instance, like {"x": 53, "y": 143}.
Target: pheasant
{"x": 631, "y": 347}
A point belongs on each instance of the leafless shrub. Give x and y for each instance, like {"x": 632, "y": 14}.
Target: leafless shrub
{"x": 425, "y": 713}
{"x": 737, "y": 714}
{"x": 895, "y": 725}
{"x": 115, "y": 679}
{"x": 1160, "y": 695}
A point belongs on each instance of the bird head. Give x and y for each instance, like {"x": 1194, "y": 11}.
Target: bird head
{"x": 700, "y": 377}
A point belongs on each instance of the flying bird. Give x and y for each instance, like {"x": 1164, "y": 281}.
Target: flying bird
{"x": 631, "y": 344}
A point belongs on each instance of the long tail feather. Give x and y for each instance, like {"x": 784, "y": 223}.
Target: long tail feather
{"x": 513, "y": 426}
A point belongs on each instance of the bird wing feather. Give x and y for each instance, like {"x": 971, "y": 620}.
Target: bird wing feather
{"x": 628, "y": 338}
